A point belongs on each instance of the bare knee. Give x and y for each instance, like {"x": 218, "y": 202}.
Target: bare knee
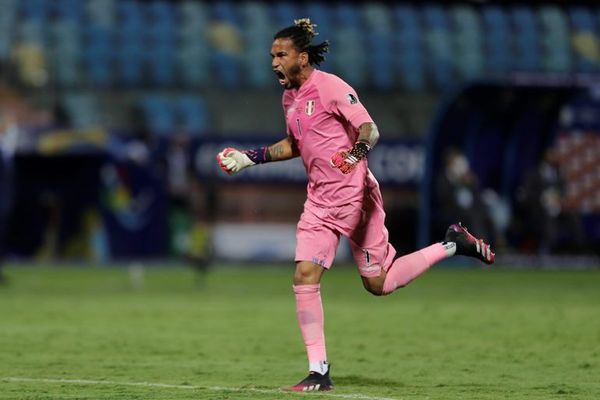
{"x": 307, "y": 273}
{"x": 374, "y": 285}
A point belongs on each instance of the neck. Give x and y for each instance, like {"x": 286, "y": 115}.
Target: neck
{"x": 305, "y": 74}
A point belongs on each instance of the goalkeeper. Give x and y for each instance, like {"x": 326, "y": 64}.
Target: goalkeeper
{"x": 329, "y": 128}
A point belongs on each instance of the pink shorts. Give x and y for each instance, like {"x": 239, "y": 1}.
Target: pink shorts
{"x": 318, "y": 234}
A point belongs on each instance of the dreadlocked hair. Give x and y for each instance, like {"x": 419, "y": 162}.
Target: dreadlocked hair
{"x": 301, "y": 34}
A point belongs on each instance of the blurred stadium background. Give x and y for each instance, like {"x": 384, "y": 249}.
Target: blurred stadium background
{"x": 112, "y": 111}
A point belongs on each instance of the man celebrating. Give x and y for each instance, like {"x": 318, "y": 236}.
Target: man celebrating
{"x": 332, "y": 132}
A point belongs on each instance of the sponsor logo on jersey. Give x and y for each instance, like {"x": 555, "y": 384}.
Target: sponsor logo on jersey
{"x": 310, "y": 107}
{"x": 352, "y": 98}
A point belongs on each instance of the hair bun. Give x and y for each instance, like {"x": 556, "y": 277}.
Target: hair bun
{"x": 307, "y": 26}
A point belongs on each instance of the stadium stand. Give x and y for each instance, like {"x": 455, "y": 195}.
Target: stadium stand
{"x": 498, "y": 40}
{"x": 409, "y": 54}
{"x": 556, "y": 52}
{"x": 412, "y": 47}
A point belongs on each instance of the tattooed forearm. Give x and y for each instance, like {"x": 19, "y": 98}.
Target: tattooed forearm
{"x": 275, "y": 152}
{"x": 368, "y": 133}
{"x": 282, "y": 150}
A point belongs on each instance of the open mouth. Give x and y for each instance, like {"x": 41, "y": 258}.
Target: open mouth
{"x": 280, "y": 76}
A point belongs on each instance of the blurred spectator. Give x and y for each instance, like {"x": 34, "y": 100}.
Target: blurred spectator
{"x": 459, "y": 198}
{"x": 549, "y": 223}
{"x": 189, "y": 224}
{"x": 8, "y": 133}
{"x": 16, "y": 115}
{"x": 31, "y": 64}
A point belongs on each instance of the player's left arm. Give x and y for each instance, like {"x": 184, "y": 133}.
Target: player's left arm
{"x": 347, "y": 160}
{"x": 342, "y": 100}
{"x": 368, "y": 134}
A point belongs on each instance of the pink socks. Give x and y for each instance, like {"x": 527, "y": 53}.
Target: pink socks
{"x": 406, "y": 268}
{"x": 309, "y": 311}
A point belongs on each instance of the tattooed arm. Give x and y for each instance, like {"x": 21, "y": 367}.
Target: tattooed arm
{"x": 282, "y": 150}
{"x": 233, "y": 160}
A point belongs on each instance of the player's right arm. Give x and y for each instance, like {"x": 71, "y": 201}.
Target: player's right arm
{"x": 233, "y": 160}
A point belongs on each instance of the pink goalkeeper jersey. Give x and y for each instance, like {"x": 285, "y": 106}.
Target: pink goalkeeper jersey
{"x": 323, "y": 116}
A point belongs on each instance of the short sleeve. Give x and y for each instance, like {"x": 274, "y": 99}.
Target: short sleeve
{"x": 341, "y": 100}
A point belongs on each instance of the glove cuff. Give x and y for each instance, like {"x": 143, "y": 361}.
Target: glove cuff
{"x": 257, "y": 156}
{"x": 360, "y": 150}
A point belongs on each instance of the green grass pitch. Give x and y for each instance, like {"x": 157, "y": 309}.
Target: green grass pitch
{"x": 86, "y": 333}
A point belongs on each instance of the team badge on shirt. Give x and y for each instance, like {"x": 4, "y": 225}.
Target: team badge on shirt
{"x": 310, "y": 107}
{"x": 352, "y": 98}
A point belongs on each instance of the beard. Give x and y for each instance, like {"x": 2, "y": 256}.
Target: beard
{"x": 294, "y": 76}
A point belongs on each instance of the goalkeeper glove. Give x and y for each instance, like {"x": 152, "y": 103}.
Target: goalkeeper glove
{"x": 347, "y": 160}
{"x": 233, "y": 161}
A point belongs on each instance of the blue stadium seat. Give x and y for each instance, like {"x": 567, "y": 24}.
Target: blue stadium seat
{"x": 68, "y": 10}
{"x": 192, "y": 115}
{"x": 161, "y": 66}
{"x": 497, "y": 33}
{"x": 409, "y": 58}
{"x": 378, "y": 18}
{"x": 526, "y": 39}
{"x": 64, "y": 53}
{"x": 67, "y": 72}
{"x": 380, "y": 61}
{"x": 34, "y": 9}
{"x": 159, "y": 114}
{"x": 131, "y": 12}
{"x": 225, "y": 67}
{"x": 192, "y": 12}
{"x": 98, "y": 56}
{"x": 257, "y": 32}
{"x": 349, "y": 60}
{"x": 101, "y": 12}
{"x": 32, "y": 31}
{"x": 284, "y": 14}
{"x": 194, "y": 65}
{"x": 582, "y": 19}
{"x": 349, "y": 44}
{"x": 584, "y": 38}
{"x": 257, "y": 64}
{"x": 82, "y": 110}
{"x": 436, "y": 17}
{"x": 347, "y": 15}
{"x": 161, "y": 11}
{"x": 226, "y": 11}
{"x": 255, "y": 15}
{"x": 194, "y": 18}
{"x": 555, "y": 40}
{"x": 408, "y": 22}
{"x": 65, "y": 35}
{"x": 130, "y": 61}
{"x": 468, "y": 42}
{"x": 438, "y": 45}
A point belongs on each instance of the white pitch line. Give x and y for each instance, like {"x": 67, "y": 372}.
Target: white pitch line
{"x": 187, "y": 387}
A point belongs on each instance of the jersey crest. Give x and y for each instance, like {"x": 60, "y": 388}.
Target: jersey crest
{"x": 352, "y": 99}
{"x": 309, "y": 109}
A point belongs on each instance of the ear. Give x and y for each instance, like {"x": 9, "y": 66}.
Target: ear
{"x": 303, "y": 59}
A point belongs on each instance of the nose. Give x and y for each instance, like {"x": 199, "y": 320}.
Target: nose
{"x": 274, "y": 63}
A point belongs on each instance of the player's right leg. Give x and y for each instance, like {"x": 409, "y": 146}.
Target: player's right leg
{"x": 468, "y": 245}
{"x": 316, "y": 241}
{"x": 457, "y": 241}
{"x": 311, "y": 319}
{"x": 382, "y": 273}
